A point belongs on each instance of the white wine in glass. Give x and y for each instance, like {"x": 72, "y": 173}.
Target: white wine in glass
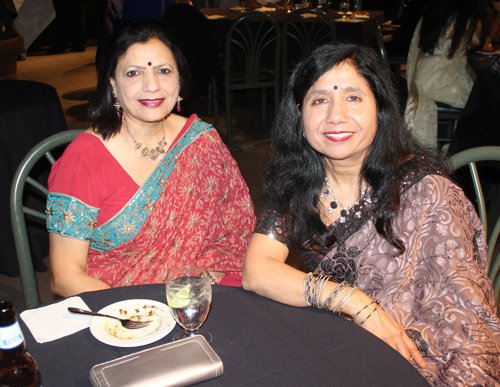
{"x": 306, "y": 3}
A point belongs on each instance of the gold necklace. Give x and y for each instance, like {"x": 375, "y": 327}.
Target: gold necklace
{"x": 152, "y": 153}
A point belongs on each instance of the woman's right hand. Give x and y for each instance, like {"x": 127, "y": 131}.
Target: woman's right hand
{"x": 388, "y": 330}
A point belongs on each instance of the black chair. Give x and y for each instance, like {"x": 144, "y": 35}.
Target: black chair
{"x": 251, "y": 40}
{"x": 301, "y": 35}
{"x": 194, "y": 35}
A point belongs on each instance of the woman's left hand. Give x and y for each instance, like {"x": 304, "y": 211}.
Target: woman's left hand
{"x": 385, "y": 328}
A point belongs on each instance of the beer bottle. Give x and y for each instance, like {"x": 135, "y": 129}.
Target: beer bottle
{"x": 17, "y": 367}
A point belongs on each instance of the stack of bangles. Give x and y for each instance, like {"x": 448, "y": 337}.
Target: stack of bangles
{"x": 314, "y": 284}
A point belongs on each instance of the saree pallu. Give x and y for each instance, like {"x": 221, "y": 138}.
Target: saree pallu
{"x": 203, "y": 215}
{"x": 437, "y": 290}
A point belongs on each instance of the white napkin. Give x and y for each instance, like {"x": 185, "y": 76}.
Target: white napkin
{"x": 213, "y": 17}
{"x": 265, "y": 9}
{"x": 52, "y": 322}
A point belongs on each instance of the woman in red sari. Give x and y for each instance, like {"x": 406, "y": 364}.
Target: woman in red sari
{"x": 144, "y": 190}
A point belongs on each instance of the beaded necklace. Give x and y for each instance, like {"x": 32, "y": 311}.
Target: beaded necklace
{"x": 346, "y": 210}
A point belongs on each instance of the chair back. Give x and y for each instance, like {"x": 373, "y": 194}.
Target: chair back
{"x": 252, "y": 60}
{"x": 18, "y": 210}
{"x": 301, "y": 35}
{"x": 470, "y": 157}
{"x": 254, "y": 36}
{"x": 380, "y": 43}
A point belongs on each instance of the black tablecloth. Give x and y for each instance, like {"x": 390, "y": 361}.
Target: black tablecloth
{"x": 261, "y": 343}
{"x": 358, "y": 30}
{"x": 29, "y": 112}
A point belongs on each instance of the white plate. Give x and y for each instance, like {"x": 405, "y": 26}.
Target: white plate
{"x": 162, "y": 324}
{"x": 489, "y": 52}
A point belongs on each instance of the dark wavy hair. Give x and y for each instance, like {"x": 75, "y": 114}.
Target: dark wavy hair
{"x": 102, "y": 114}
{"x": 466, "y": 15}
{"x": 295, "y": 174}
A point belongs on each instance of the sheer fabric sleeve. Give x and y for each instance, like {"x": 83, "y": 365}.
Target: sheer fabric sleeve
{"x": 270, "y": 223}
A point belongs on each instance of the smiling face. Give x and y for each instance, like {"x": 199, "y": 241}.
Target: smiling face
{"x": 146, "y": 81}
{"x": 339, "y": 114}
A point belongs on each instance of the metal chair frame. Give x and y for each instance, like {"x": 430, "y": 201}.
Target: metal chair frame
{"x": 307, "y": 34}
{"x": 470, "y": 157}
{"x": 252, "y": 33}
{"x": 18, "y": 210}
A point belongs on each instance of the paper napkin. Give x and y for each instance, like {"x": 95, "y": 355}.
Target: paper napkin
{"x": 213, "y": 17}
{"x": 52, "y": 322}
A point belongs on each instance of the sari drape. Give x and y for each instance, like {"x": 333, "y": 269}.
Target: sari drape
{"x": 194, "y": 209}
{"x": 437, "y": 290}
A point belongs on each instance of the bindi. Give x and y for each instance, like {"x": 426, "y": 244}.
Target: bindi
{"x": 335, "y": 87}
{"x": 149, "y": 63}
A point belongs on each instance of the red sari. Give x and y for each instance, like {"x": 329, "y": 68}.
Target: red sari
{"x": 194, "y": 209}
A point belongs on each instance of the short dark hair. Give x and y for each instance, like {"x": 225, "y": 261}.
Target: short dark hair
{"x": 295, "y": 174}
{"x": 102, "y": 114}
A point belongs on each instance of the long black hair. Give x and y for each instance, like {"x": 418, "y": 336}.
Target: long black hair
{"x": 102, "y": 114}
{"x": 465, "y": 15}
{"x": 295, "y": 174}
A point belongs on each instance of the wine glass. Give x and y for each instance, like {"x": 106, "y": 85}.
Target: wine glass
{"x": 306, "y": 3}
{"x": 289, "y": 5}
{"x": 344, "y": 7}
{"x": 189, "y": 294}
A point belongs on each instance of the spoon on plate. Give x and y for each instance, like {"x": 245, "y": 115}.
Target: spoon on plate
{"x": 126, "y": 323}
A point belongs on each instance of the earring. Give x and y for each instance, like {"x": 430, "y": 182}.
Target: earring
{"x": 304, "y": 134}
{"x": 179, "y": 99}
{"x": 117, "y": 105}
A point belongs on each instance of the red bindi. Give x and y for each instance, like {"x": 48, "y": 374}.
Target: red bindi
{"x": 149, "y": 63}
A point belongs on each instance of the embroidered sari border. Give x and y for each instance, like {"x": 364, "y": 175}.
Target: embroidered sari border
{"x": 127, "y": 223}
{"x": 69, "y": 216}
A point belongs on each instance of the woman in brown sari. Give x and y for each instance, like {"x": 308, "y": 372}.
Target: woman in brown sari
{"x": 390, "y": 242}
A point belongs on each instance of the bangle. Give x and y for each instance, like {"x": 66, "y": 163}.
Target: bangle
{"x": 321, "y": 283}
{"x": 373, "y": 311}
{"x": 307, "y": 287}
{"x": 340, "y": 306}
{"x": 362, "y": 309}
{"x": 334, "y": 294}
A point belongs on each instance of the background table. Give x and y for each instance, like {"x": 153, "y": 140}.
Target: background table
{"x": 261, "y": 343}
{"x": 357, "y": 30}
{"x": 29, "y": 112}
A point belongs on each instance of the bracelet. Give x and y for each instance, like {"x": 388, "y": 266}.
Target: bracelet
{"x": 373, "y": 311}
{"x": 362, "y": 309}
{"x": 306, "y": 287}
{"x": 334, "y": 294}
{"x": 340, "y": 306}
{"x": 323, "y": 280}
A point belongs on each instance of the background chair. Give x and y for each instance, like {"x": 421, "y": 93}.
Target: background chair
{"x": 252, "y": 61}
{"x": 470, "y": 157}
{"x": 18, "y": 210}
{"x": 301, "y": 35}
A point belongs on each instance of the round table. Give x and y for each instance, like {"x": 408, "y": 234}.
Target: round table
{"x": 260, "y": 342}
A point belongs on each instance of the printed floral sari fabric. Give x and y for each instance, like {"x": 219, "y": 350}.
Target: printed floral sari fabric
{"x": 437, "y": 290}
{"x": 194, "y": 209}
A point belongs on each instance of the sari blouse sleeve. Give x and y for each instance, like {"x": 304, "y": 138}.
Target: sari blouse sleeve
{"x": 74, "y": 195}
{"x": 270, "y": 223}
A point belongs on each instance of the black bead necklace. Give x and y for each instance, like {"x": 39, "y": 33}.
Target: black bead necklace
{"x": 335, "y": 203}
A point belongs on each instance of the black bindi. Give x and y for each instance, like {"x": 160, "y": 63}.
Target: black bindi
{"x": 335, "y": 87}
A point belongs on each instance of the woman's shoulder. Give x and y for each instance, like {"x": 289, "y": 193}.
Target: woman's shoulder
{"x": 419, "y": 168}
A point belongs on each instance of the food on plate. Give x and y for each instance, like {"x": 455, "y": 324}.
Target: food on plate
{"x": 137, "y": 313}
{"x": 361, "y": 14}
